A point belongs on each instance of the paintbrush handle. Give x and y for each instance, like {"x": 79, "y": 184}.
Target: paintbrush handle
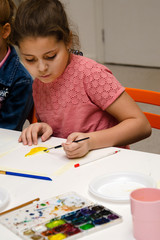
{"x": 82, "y": 139}
{"x": 20, "y": 206}
{"x": 18, "y": 174}
{"x": 59, "y": 146}
{"x": 93, "y": 160}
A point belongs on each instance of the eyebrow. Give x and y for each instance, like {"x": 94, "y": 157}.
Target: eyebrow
{"x": 30, "y": 55}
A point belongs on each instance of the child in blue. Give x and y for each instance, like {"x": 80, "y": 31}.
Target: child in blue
{"x": 15, "y": 81}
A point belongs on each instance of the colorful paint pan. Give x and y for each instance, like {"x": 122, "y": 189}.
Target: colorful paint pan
{"x": 76, "y": 223}
{"x": 62, "y": 217}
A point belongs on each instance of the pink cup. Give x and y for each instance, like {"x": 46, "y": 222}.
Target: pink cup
{"x": 145, "y": 209}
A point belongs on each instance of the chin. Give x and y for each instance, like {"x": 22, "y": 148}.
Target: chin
{"x": 45, "y": 80}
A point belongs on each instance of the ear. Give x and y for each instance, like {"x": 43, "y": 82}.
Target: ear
{"x": 6, "y": 31}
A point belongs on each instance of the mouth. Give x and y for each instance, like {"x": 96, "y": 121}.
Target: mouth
{"x": 45, "y": 76}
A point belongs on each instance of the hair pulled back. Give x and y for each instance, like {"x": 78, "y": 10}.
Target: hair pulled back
{"x": 42, "y": 18}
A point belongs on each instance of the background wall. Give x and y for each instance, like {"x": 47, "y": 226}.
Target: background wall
{"x": 119, "y": 31}
{"x": 132, "y": 32}
{"x": 82, "y": 18}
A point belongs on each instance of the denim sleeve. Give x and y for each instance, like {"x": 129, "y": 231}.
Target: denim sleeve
{"x": 17, "y": 105}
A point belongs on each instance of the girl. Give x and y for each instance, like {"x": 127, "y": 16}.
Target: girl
{"x": 15, "y": 82}
{"x": 74, "y": 96}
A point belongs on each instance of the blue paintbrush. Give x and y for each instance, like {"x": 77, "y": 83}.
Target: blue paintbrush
{"x": 25, "y": 175}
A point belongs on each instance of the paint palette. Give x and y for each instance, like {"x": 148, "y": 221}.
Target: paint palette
{"x": 67, "y": 216}
{"x": 74, "y": 224}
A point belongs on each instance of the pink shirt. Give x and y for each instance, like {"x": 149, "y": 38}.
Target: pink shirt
{"x": 4, "y": 59}
{"x": 76, "y": 101}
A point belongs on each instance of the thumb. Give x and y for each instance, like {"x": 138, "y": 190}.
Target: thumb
{"x": 72, "y": 137}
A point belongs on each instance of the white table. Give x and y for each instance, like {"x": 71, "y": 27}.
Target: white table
{"x": 77, "y": 179}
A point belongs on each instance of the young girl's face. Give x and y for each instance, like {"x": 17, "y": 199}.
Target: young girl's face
{"x": 44, "y": 57}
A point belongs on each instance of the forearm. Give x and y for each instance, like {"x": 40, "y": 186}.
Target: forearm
{"x": 132, "y": 127}
{"x": 124, "y": 133}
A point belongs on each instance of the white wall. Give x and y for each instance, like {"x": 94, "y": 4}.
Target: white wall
{"x": 82, "y": 14}
{"x": 132, "y": 32}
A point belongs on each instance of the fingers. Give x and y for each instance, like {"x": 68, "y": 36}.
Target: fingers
{"x": 75, "y": 154}
{"x": 30, "y": 135}
{"x": 47, "y": 132}
{"x": 76, "y": 150}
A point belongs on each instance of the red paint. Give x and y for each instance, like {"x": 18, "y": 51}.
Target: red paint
{"x": 76, "y": 165}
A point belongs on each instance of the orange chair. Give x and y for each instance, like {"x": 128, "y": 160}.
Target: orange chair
{"x": 32, "y": 116}
{"x": 149, "y": 97}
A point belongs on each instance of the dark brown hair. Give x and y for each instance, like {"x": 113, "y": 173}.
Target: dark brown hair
{"x": 41, "y": 18}
{"x": 7, "y": 12}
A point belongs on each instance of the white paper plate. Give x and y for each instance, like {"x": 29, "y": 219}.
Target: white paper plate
{"x": 4, "y": 198}
{"x": 117, "y": 187}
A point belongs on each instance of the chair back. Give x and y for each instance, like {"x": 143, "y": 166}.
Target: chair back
{"x": 32, "y": 116}
{"x": 148, "y": 97}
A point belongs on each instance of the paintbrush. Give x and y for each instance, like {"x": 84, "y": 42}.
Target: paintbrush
{"x": 19, "y": 174}
{"x": 59, "y": 146}
{"x": 91, "y": 160}
{"x": 20, "y": 206}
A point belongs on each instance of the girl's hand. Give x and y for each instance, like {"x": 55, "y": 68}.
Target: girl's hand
{"x": 79, "y": 149}
{"x": 30, "y": 134}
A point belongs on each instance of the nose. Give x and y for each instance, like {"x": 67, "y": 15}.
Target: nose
{"x": 42, "y": 66}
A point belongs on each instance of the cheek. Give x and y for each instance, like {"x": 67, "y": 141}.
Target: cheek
{"x": 30, "y": 68}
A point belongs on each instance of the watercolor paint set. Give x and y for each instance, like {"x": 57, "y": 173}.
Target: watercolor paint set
{"x": 67, "y": 216}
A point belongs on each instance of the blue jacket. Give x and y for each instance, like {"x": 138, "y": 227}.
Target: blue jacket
{"x": 15, "y": 93}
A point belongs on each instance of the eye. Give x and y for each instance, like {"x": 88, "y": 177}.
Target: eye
{"x": 51, "y": 57}
{"x": 30, "y": 60}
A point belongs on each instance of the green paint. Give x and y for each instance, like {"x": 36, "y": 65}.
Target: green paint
{"x": 55, "y": 223}
{"x": 43, "y": 204}
{"x": 87, "y": 226}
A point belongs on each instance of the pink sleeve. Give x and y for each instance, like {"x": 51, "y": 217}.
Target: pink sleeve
{"x": 102, "y": 87}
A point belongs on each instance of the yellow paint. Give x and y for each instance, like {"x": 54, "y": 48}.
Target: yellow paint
{"x": 58, "y": 236}
{"x": 36, "y": 150}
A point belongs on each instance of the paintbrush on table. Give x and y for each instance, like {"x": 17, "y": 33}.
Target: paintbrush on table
{"x": 27, "y": 175}
{"x": 59, "y": 146}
